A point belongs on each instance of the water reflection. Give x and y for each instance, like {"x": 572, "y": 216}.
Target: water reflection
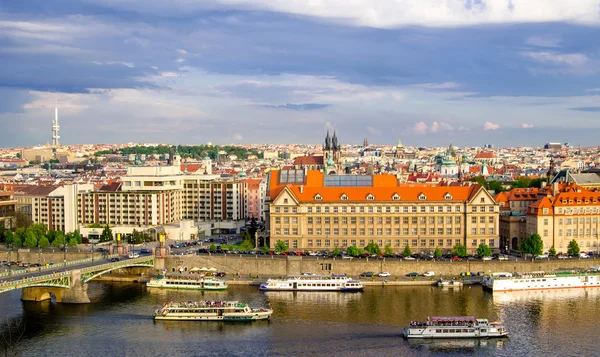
{"x": 312, "y": 297}
{"x": 544, "y": 295}
{"x": 464, "y": 346}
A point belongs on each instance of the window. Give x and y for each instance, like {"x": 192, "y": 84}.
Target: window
{"x": 414, "y": 242}
{"x": 370, "y": 231}
{"x": 414, "y": 209}
{"x": 336, "y": 220}
{"x": 482, "y": 209}
{"x": 327, "y": 241}
{"x": 344, "y": 242}
{"x": 318, "y": 220}
{"x": 423, "y": 242}
{"x": 457, "y": 220}
{"x": 318, "y": 197}
{"x": 491, "y": 230}
{"x": 481, "y": 230}
{"x": 286, "y": 220}
{"x": 352, "y": 220}
{"x": 353, "y": 242}
{"x": 309, "y": 220}
{"x": 318, "y": 231}
{"x": 370, "y": 210}
{"x": 395, "y": 197}
{"x": 422, "y": 197}
{"x": 405, "y": 220}
{"x": 405, "y": 231}
{"x": 336, "y": 231}
{"x": 353, "y": 231}
{"x": 361, "y": 220}
{"x": 277, "y": 220}
{"x": 449, "y": 242}
{"x": 457, "y": 231}
{"x": 362, "y": 243}
{"x": 397, "y": 220}
{"x": 414, "y": 220}
{"x": 310, "y": 231}
{"x": 447, "y": 196}
{"x": 440, "y": 231}
{"x": 440, "y": 242}
{"x": 295, "y": 231}
{"x": 473, "y": 209}
{"x": 422, "y": 231}
{"x": 327, "y": 231}
{"x": 422, "y": 220}
{"x": 344, "y": 220}
{"x": 413, "y": 231}
{"x": 423, "y": 208}
{"x": 388, "y": 231}
{"x": 397, "y": 231}
{"x": 473, "y": 230}
{"x": 431, "y": 231}
{"x": 474, "y": 242}
{"x": 370, "y": 197}
{"x": 370, "y": 220}
{"x": 431, "y": 220}
{"x": 344, "y": 231}
{"x": 431, "y": 242}
{"x": 388, "y": 220}
{"x": 318, "y": 242}
{"x": 379, "y": 231}
{"x": 492, "y": 243}
{"x": 405, "y": 209}
{"x": 397, "y": 243}
{"x": 344, "y": 197}
{"x": 310, "y": 242}
{"x": 449, "y": 220}
{"x": 362, "y": 231}
{"x": 491, "y": 219}
{"x": 327, "y": 220}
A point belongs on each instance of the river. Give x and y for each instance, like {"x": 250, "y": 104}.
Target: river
{"x": 118, "y": 323}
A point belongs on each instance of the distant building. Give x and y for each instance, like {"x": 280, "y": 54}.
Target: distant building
{"x": 553, "y": 146}
{"x": 8, "y": 207}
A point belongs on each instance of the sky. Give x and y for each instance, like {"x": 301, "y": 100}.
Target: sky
{"x": 427, "y": 72}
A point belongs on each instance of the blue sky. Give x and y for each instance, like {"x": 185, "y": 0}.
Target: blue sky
{"x": 428, "y": 72}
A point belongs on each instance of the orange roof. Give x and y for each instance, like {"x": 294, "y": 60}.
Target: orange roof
{"x": 501, "y": 197}
{"x": 308, "y": 160}
{"x": 523, "y": 194}
{"x": 485, "y": 155}
{"x": 253, "y": 183}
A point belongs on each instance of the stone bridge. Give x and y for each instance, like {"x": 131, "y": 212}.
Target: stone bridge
{"x": 68, "y": 286}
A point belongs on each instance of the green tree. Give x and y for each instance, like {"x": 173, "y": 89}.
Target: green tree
{"x": 52, "y": 235}
{"x": 460, "y": 250}
{"x": 39, "y": 229}
{"x": 521, "y": 182}
{"x": 59, "y": 240}
{"x": 212, "y": 247}
{"x": 372, "y": 248}
{"x": 247, "y": 245}
{"x": 2, "y": 230}
{"x": 407, "y": 252}
{"x": 16, "y": 242}
{"x": 552, "y": 251}
{"x": 30, "y": 239}
{"x": 106, "y": 235}
{"x": 78, "y": 236}
{"x": 22, "y": 220}
{"x": 480, "y": 180}
{"x": 20, "y": 233}
{"x": 437, "y": 254}
{"x": 495, "y": 186}
{"x": 72, "y": 242}
{"x": 387, "y": 250}
{"x": 336, "y": 251}
{"x": 483, "y": 250}
{"x": 537, "y": 182}
{"x": 353, "y": 251}
{"x": 43, "y": 242}
{"x": 532, "y": 245}
{"x": 280, "y": 246}
{"x": 266, "y": 249}
{"x": 573, "y": 248}
{"x": 8, "y": 237}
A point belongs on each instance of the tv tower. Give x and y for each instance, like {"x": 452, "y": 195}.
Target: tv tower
{"x": 55, "y": 127}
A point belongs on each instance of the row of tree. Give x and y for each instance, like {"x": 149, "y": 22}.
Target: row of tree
{"x": 196, "y": 151}
{"x": 521, "y": 182}
{"x": 38, "y": 236}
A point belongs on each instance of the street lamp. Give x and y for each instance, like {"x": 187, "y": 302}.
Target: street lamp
{"x": 65, "y": 251}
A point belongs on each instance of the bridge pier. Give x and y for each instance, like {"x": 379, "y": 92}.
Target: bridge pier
{"x": 76, "y": 294}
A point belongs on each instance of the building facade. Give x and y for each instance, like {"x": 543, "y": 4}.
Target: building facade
{"x": 8, "y": 207}
{"x": 313, "y": 211}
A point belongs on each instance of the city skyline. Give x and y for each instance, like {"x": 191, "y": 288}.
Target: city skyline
{"x": 467, "y": 72}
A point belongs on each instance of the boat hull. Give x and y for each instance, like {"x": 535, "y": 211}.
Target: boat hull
{"x": 432, "y": 334}
{"x": 547, "y": 282}
{"x": 348, "y": 290}
{"x": 256, "y": 316}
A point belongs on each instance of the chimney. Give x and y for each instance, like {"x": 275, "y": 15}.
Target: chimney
{"x": 544, "y": 184}
{"x": 555, "y": 189}
{"x": 301, "y": 188}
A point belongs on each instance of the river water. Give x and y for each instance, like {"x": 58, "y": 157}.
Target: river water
{"x": 118, "y": 323}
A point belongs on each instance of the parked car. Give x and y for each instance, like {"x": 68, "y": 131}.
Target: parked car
{"x": 220, "y": 274}
{"x": 428, "y": 273}
{"x": 384, "y": 274}
{"x": 133, "y": 255}
{"x": 307, "y": 273}
{"x": 115, "y": 259}
{"x": 562, "y": 256}
{"x": 413, "y": 274}
{"x": 456, "y": 259}
{"x": 347, "y": 257}
{"x": 367, "y": 274}
{"x": 409, "y": 258}
{"x": 486, "y": 258}
{"x": 583, "y": 255}
{"x": 145, "y": 251}
{"x": 542, "y": 256}
{"x": 502, "y": 257}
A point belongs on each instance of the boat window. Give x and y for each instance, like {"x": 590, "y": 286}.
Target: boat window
{"x": 483, "y": 330}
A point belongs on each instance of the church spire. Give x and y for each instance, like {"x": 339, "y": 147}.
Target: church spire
{"x": 334, "y": 142}
{"x": 327, "y": 142}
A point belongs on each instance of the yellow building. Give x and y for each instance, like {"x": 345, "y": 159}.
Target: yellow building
{"x": 312, "y": 211}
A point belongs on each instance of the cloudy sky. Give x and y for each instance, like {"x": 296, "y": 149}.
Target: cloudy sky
{"x": 428, "y": 72}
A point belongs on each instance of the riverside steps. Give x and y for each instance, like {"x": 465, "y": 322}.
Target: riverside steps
{"x": 269, "y": 265}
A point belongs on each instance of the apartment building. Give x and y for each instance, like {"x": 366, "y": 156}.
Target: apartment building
{"x": 256, "y": 188}
{"x": 8, "y": 207}
{"x": 313, "y": 211}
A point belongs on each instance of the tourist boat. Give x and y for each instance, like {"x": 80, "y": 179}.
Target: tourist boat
{"x": 205, "y": 283}
{"x": 208, "y": 310}
{"x": 450, "y": 283}
{"x": 454, "y": 327}
{"x": 499, "y": 282}
{"x": 313, "y": 283}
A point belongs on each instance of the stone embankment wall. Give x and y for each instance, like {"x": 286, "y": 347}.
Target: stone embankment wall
{"x": 33, "y": 256}
{"x": 278, "y": 266}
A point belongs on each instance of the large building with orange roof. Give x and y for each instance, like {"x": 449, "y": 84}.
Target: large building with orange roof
{"x": 313, "y": 211}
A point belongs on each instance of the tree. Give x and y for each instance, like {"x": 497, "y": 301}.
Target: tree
{"x": 495, "y": 186}
{"x": 30, "y": 239}
{"x": 52, "y": 235}
{"x": 39, "y": 229}
{"x": 336, "y": 251}
{"x": 16, "y": 242}
{"x": 533, "y": 245}
{"x": 407, "y": 252}
{"x": 372, "y": 248}
{"x": 266, "y": 249}
{"x": 353, "y": 251}
{"x": 280, "y": 246}
{"x": 212, "y": 247}
{"x": 247, "y": 245}
{"x": 483, "y": 250}
{"x": 106, "y": 235}
{"x": 72, "y": 242}
{"x": 8, "y": 237}
{"x": 460, "y": 250}
{"x": 20, "y": 233}
{"x": 437, "y": 254}
{"x": 388, "y": 250}
{"x": 552, "y": 251}
{"x": 521, "y": 182}
{"x": 573, "y": 248}
{"x": 22, "y": 220}
{"x": 538, "y": 182}
{"x": 59, "y": 240}
{"x": 2, "y": 232}
{"x": 43, "y": 242}
{"x": 78, "y": 236}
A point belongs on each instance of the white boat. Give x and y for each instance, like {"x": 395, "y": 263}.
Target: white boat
{"x": 187, "y": 283}
{"x": 450, "y": 283}
{"x": 454, "y": 327}
{"x": 541, "y": 281}
{"x": 208, "y": 310}
{"x": 313, "y": 283}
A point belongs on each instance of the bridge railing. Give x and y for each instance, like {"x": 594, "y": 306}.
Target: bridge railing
{"x": 55, "y": 266}
{"x": 114, "y": 265}
{"x": 33, "y": 279}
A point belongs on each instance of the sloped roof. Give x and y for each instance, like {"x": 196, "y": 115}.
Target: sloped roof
{"x": 308, "y": 160}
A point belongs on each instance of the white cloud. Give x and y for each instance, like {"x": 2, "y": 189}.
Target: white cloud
{"x": 490, "y": 126}
{"x": 544, "y": 41}
{"x": 373, "y": 130}
{"x": 393, "y": 13}
{"x": 463, "y": 128}
{"x": 526, "y": 126}
{"x": 238, "y": 137}
{"x": 419, "y": 128}
{"x": 570, "y": 59}
{"x": 182, "y": 52}
{"x": 593, "y": 90}
{"x": 445, "y": 85}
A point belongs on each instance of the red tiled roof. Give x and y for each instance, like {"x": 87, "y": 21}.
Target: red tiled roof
{"x": 308, "y": 160}
{"x": 485, "y": 155}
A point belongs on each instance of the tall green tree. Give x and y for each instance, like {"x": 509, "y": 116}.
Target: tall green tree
{"x": 521, "y": 182}
{"x": 552, "y": 251}
{"x": 39, "y": 229}
{"x": 246, "y": 245}
{"x": 533, "y": 245}
{"x": 212, "y": 247}
{"x": 43, "y": 242}
{"x": 495, "y": 186}
{"x": 8, "y": 237}
{"x": 106, "y": 235}
{"x": 59, "y": 240}
{"x": 573, "y": 248}
{"x": 72, "y": 242}
{"x": 407, "y": 252}
{"x": 77, "y": 236}
{"x": 483, "y": 250}
{"x": 437, "y": 254}
{"x": 30, "y": 239}
{"x": 353, "y": 251}
{"x": 336, "y": 251}
{"x": 460, "y": 250}
{"x": 372, "y": 248}
{"x": 281, "y": 247}
{"x": 52, "y": 235}
{"x": 388, "y": 250}
{"x": 16, "y": 242}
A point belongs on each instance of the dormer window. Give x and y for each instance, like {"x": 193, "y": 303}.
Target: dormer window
{"x": 422, "y": 197}
{"x": 370, "y": 197}
{"x": 318, "y": 197}
{"x": 447, "y": 196}
{"x": 396, "y": 197}
{"x": 285, "y": 200}
{"x": 344, "y": 197}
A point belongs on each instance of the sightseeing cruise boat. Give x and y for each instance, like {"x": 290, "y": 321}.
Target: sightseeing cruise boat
{"x": 207, "y": 310}
{"x": 450, "y": 283}
{"x": 501, "y": 282}
{"x": 205, "y": 283}
{"x": 313, "y": 283}
{"x": 454, "y": 327}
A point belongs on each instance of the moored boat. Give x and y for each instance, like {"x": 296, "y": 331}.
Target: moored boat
{"x": 454, "y": 327}
{"x": 205, "y": 283}
{"x": 208, "y": 310}
{"x": 540, "y": 280}
{"x": 450, "y": 283}
{"x": 313, "y": 283}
